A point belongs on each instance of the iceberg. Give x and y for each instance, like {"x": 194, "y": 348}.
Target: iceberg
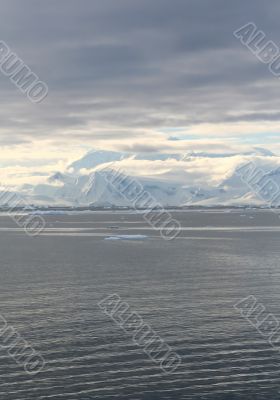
{"x": 126, "y": 237}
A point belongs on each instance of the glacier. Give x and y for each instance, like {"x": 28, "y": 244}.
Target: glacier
{"x": 174, "y": 180}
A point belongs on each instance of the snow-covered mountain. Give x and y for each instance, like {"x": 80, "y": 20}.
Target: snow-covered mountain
{"x": 172, "y": 179}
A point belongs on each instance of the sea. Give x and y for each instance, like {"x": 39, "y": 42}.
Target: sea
{"x": 185, "y": 289}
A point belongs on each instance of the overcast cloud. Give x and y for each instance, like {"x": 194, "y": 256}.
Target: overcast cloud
{"x": 125, "y": 73}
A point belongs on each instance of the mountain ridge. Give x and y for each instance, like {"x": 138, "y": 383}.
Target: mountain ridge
{"x": 172, "y": 179}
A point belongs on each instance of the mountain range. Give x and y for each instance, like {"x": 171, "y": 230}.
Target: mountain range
{"x": 202, "y": 179}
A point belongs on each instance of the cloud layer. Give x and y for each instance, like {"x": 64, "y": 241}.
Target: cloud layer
{"x": 133, "y": 74}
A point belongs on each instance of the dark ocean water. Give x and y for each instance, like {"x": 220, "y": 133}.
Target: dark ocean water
{"x": 184, "y": 289}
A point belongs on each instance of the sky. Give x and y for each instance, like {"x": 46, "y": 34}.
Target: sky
{"x": 136, "y": 76}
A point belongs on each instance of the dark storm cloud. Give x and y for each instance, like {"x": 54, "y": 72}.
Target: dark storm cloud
{"x": 136, "y": 64}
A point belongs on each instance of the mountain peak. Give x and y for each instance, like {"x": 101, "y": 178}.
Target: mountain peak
{"x": 263, "y": 152}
